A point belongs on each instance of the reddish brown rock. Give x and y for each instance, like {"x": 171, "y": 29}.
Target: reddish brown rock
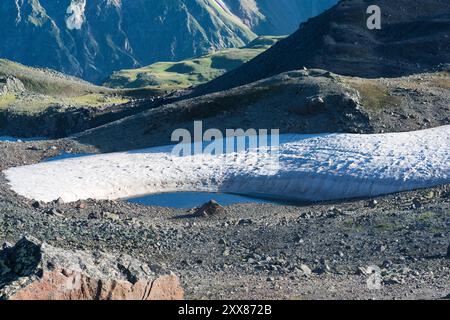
{"x": 33, "y": 271}
{"x": 210, "y": 208}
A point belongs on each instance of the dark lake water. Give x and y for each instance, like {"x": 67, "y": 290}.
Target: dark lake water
{"x": 187, "y": 200}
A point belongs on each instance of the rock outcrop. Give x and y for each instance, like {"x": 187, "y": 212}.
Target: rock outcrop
{"x": 10, "y": 84}
{"x": 210, "y": 208}
{"x": 31, "y": 270}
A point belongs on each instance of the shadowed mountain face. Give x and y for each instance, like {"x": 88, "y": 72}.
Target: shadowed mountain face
{"x": 92, "y": 38}
{"x": 415, "y": 37}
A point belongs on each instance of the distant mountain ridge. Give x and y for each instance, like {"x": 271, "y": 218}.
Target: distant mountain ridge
{"x": 277, "y": 17}
{"x": 415, "y": 37}
{"x": 92, "y": 38}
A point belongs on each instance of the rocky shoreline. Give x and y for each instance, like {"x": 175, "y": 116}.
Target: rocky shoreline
{"x": 252, "y": 251}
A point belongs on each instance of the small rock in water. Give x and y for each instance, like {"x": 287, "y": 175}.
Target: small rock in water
{"x": 210, "y": 208}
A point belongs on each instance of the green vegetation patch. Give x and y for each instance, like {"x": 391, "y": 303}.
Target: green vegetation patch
{"x": 191, "y": 72}
{"x": 45, "y": 88}
{"x": 7, "y": 100}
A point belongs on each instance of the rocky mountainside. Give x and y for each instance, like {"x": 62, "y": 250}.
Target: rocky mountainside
{"x": 414, "y": 37}
{"x": 280, "y": 17}
{"x": 311, "y": 101}
{"x": 92, "y": 38}
{"x": 42, "y": 102}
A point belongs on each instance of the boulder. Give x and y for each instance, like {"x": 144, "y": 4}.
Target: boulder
{"x": 210, "y": 208}
{"x": 31, "y": 270}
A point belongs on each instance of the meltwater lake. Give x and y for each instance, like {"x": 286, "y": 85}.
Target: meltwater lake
{"x": 179, "y": 200}
{"x": 188, "y": 200}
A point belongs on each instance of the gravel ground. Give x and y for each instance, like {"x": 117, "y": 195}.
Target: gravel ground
{"x": 253, "y": 251}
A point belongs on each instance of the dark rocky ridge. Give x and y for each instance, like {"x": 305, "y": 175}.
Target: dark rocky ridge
{"x": 312, "y": 101}
{"x": 415, "y": 37}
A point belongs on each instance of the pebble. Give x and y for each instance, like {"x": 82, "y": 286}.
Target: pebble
{"x": 36, "y": 205}
{"x": 54, "y": 212}
{"x": 305, "y": 269}
{"x": 111, "y": 216}
{"x": 244, "y": 222}
{"x": 373, "y": 203}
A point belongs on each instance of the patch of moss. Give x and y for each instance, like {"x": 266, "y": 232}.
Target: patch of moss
{"x": 96, "y": 100}
{"x": 7, "y": 99}
{"x": 385, "y": 227}
{"x": 352, "y": 225}
{"x": 443, "y": 83}
{"x": 426, "y": 216}
{"x": 374, "y": 95}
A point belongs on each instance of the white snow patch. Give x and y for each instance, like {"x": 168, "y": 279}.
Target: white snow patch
{"x": 75, "y": 12}
{"x": 19, "y": 4}
{"x": 116, "y": 3}
{"x": 311, "y": 167}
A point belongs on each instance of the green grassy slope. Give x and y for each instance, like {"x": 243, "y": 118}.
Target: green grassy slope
{"x": 43, "y": 88}
{"x": 190, "y": 72}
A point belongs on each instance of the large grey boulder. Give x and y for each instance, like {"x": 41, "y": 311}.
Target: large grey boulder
{"x": 31, "y": 270}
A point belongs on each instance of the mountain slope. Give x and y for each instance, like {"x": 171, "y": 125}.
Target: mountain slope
{"x": 30, "y": 90}
{"x": 190, "y": 72}
{"x": 414, "y": 38}
{"x": 280, "y": 17}
{"x": 43, "y": 102}
{"x": 312, "y": 101}
{"x": 90, "y": 39}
